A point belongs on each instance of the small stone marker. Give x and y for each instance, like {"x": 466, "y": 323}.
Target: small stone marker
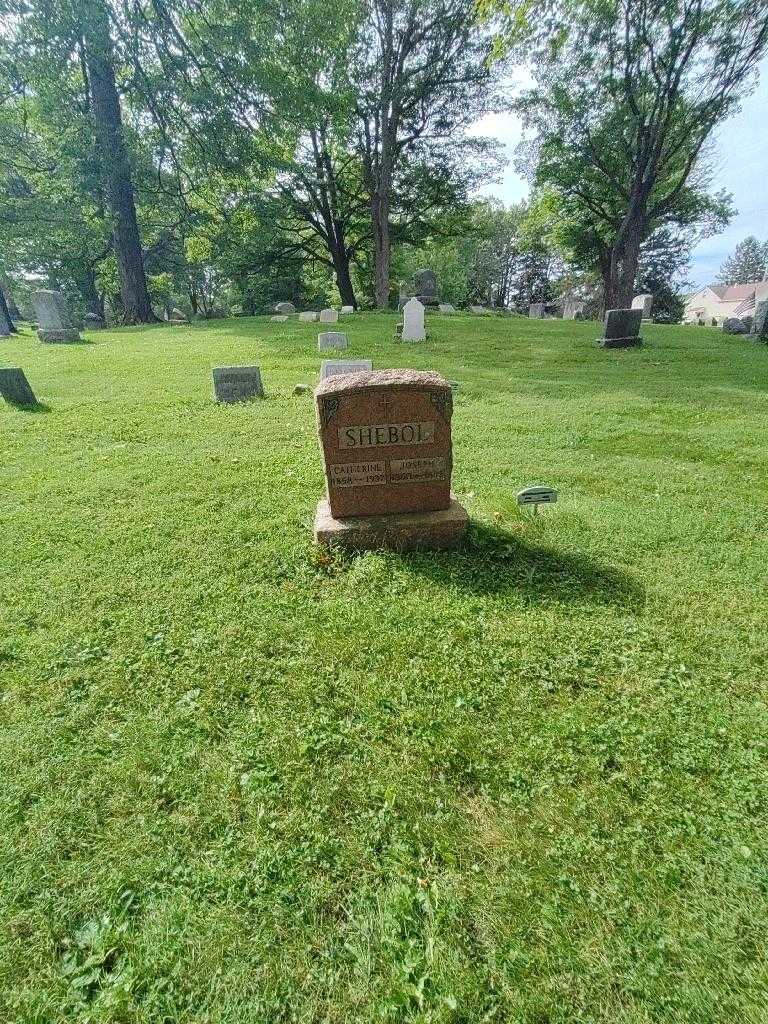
{"x": 308, "y": 317}
{"x": 536, "y": 311}
{"x": 93, "y": 322}
{"x": 53, "y": 320}
{"x": 331, "y": 339}
{"x": 621, "y": 328}
{"x": 278, "y": 319}
{"x": 347, "y": 309}
{"x": 645, "y": 304}
{"x": 537, "y": 496}
{"x": 237, "y": 383}
{"x": 335, "y": 367}
{"x": 413, "y": 321}
{"x": 15, "y": 388}
{"x": 386, "y": 443}
{"x": 285, "y": 307}
{"x": 479, "y": 309}
{"x": 446, "y": 307}
{"x": 328, "y": 316}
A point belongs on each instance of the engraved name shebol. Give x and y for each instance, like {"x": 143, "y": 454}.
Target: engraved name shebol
{"x": 385, "y": 434}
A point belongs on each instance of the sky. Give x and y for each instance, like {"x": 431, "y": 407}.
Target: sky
{"x": 741, "y": 168}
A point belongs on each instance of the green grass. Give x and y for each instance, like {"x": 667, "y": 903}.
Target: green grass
{"x": 246, "y": 782}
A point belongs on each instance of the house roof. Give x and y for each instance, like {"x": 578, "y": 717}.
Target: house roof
{"x": 734, "y": 292}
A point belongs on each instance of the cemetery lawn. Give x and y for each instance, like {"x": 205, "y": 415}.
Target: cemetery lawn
{"x": 245, "y": 781}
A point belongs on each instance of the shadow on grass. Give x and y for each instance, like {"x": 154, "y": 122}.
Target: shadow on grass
{"x": 30, "y": 407}
{"x": 493, "y": 561}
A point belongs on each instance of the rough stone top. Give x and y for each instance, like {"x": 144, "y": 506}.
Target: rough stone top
{"x": 416, "y": 380}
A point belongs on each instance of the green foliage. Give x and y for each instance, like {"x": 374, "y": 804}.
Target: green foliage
{"x": 749, "y": 262}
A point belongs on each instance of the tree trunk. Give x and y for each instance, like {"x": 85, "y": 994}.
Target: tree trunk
{"x": 13, "y": 310}
{"x": 86, "y": 285}
{"x": 5, "y": 314}
{"x": 382, "y": 247}
{"x": 115, "y": 164}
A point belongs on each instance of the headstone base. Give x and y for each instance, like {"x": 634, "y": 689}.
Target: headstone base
{"x": 620, "y": 342}
{"x": 63, "y": 337}
{"x": 406, "y": 531}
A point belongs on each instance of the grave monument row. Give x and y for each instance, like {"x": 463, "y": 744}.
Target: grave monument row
{"x": 385, "y": 437}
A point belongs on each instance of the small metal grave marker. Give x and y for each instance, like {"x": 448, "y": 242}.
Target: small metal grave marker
{"x": 537, "y": 496}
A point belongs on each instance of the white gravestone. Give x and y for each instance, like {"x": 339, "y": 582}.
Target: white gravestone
{"x": 328, "y": 316}
{"x": 333, "y": 367}
{"x": 53, "y": 321}
{"x": 278, "y": 319}
{"x": 536, "y": 311}
{"x": 445, "y": 307}
{"x": 347, "y": 309}
{"x": 331, "y": 339}
{"x": 413, "y": 321}
{"x": 644, "y": 302}
{"x": 308, "y": 317}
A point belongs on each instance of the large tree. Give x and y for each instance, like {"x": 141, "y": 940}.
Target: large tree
{"x": 61, "y": 56}
{"x": 748, "y": 262}
{"x": 627, "y": 94}
{"x": 422, "y": 75}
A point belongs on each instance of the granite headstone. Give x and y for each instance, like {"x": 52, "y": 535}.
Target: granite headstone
{"x": 237, "y": 383}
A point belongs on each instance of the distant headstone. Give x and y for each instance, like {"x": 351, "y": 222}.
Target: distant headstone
{"x": 760, "y": 322}
{"x": 347, "y": 309}
{"x": 446, "y": 307}
{"x": 53, "y": 319}
{"x": 570, "y": 308}
{"x": 308, "y": 317}
{"x": 621, "y": 328}
{"x": 178, "y": 316}
{"x": 734, "y": 325}
{"x": 285, "y": 307}
{"x": 643, "y": 303}
{"x": 425, "y": 287}
{"x": 237, "y": 383}
{"x": 335, "y": 367}
{"x": 278, "y": 319}
{"x": 15, "y": 388}
{"x": 328, "y": 316}
{"x": 413, "y": 321}
{"x": 386, "y": 443}
{"x": 536, "y": 311}
{"x": 93, "y": 322}
{"x": 479, "y": 309}
{"x": 331, "y": 339}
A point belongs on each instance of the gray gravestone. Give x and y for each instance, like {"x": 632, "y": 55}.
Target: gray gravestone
{"x": 571, "y": 307}
{"x": 760, "y": 322}
{"x": 278, "y": 319}
{"x": 333, "y": 367}
{"x": 347, "y": 309}
{"x": 479, "y": 309}
{"x": 92, "y": 321}
{"x": 621, "y": 328}
{"x": 446, "y": 307}
{"x": 308, "y": 317}
{"x": 328, "y": 316}
{"x": 237, "y": 383}
{"x": 53, "y": 321}
{"x": 536, "y": 311}
{"x": 14, "y": 387}
{"x": 331, "y": 339}
{"x": 425, "y": 287}
{"x": 645, "y": 304}
{"x": 285, "y": 307}
{"x": 413, "y": 321}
